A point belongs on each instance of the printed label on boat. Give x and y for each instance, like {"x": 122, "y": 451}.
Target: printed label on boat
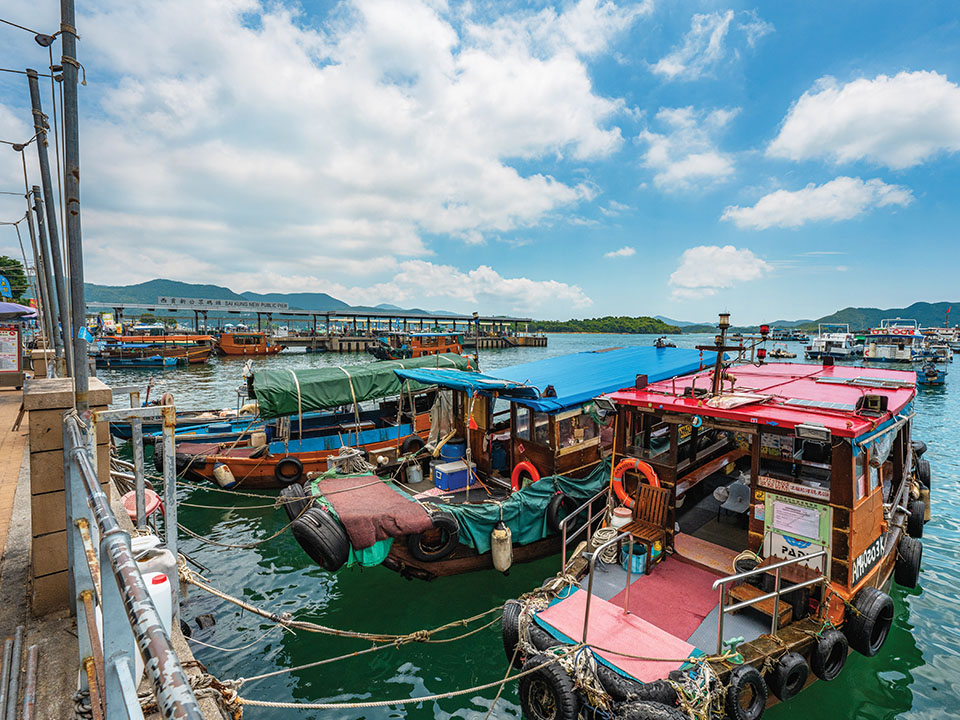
{"x": 772, "y": 483}
{"x": 867, "y": 560}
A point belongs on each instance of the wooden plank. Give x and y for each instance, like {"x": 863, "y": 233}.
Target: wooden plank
{"x": 744, "y": 592}
{"x": 691, "y": 479}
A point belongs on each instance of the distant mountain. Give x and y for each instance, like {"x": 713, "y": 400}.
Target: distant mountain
{"x": 927, "y": 314}
{"x": 790, "y": 323}
{"x": 675, "y": 323}
{"x": 301, "y": 301}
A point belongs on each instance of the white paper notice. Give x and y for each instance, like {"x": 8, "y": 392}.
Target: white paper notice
{"x": 795, "y": 520}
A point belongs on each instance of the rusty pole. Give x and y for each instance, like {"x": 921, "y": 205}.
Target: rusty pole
{"x": 45, "y": 274}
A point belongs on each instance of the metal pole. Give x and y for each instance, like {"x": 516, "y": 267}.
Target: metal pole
{"x": 13, "y": 687}
{"x": 5, "y": 676}
{"x": 46, "y": 279}
{"x": 136, "y": 429}
{"x": 30, "y": 684}
{"x": 169, "y": 413}
{"x": 71, "y": 189}
{"x": 54, "y": 256}
{"x": 38, "y": 264}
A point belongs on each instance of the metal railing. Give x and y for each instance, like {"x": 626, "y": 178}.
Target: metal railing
{"x": 593, "y": 564}
{"x": 587, "y": 528}
{"x": 775, "y": 594}
{"x": 104, "y": 575}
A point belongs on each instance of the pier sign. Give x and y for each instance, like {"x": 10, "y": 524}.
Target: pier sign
{"x": 215, "y": 304}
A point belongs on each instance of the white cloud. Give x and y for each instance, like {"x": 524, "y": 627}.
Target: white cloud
{"x": 755, "y": 27}
{"x": 625, "y": 251}
{"x": 843, "y": 198}
{"x": 897, "y": 121}
{"x": 705, "y": 269}
{"x": 700, "y": 48}
{"x": 686, "y": 156}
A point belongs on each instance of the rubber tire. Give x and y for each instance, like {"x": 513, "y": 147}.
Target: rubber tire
{"x": 741, "y": 678}
{"x": 559, "y": 501}
{"x": 551, "y": 679}
{"x": 829, "y": 655}
{"x": 649, "y": 710}
{"x": 867, "y": 629}
{"x": 788, "y": 676}
{"x": 510, "y": 632}
{"x": 919, "y": 448}
{"x": 294, "y": 508}
{"x": 412, "y": 444}
{"x": 625, "y": 690}
{"x": 443, "y": 521}
{"x": 323, "y": 538}
{"x": 909, "y": 555}
{"x": 292, "y": 462}
{"x": 923, "y": 472}
{"x": 915, "y": 521}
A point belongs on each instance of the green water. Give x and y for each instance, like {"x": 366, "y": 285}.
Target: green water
{"x": 917, "y": 675}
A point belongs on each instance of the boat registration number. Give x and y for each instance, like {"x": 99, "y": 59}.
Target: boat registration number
{"x": 867, "y": 560}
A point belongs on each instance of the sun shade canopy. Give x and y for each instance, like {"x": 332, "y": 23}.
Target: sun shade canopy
{"x": 574, "y": 379}
{"x": 288, "y": 392}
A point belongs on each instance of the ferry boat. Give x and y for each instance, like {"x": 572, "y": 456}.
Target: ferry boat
{"x": 524, "y": 447}
{"x": 895, "y": 340}
{"x": 833, "y": 341}
{"x": 246, "y": 343}
{"x": 398, "y": 419}
{"x": 791, "y": 335}
{"x": 706, "y": 608}
{"x": 401, "y": 345}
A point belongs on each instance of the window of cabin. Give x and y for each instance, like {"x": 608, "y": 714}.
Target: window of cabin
{"x": 541, "y": 429}
{"x": 575, "y": 428}
{"x": 861, "y": 480}
{"x": 522, "y": 430}
{"x": 785, "y": 457}
{"x": 647, "y": 437}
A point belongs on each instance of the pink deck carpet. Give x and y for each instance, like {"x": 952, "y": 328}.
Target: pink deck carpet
{"x": 612, "y": 629}
{"x": 675, "y": 597}
{"x": 370, "y": 510}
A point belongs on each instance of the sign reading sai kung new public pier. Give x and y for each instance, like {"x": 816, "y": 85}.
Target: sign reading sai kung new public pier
{"x": 227, "y": 305}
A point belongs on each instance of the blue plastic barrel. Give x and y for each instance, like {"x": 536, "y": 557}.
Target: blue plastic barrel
{"x": 453, "y": 450}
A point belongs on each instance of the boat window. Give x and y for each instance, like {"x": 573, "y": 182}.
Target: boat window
{"x": 794, "y": 460}
{"x": 575, "y": 429}
{"x": 522, "y": 431}
{"x": 541, "y": 429}
{"x": 647, "y": 437}
{"x": 861, "y": 473}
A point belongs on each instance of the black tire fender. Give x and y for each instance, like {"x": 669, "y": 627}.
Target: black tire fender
{"x": 559, "y": 502}
{"x": 510, "y": 632}
{"x": 829, "y": 655}
{"x": 788, "y": 676}
{"x": 919, "y": 448}
{"x": 915, "y": 520}
{"x": 746, "y": 679}
{"x": 322, "y": 537}
{"x": 909, "y": 554}
{"x": 868, "y": 622}
{"x": 296, "y": 500}
{"x": 649, "y": 710}
{"x": 624, "y": 690}
{"x": 923, "y": 472}
{"x": 411, "y": 444}
{"x": 288, "y": 469}
{"x": 547, "y": 693}
{"x": 425, "y": 549}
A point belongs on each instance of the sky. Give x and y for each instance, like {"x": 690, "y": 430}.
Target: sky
{"x": 777, "y": 161}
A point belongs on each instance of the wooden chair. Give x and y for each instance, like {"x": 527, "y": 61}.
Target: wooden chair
{"x": 649, "y": 519}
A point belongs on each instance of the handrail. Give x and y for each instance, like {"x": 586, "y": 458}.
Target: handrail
{"x": 775, "y": 594}
{"x": 593, "y": 564}
{"x": 125, "y": 604}
{"x": 586, "y": 528}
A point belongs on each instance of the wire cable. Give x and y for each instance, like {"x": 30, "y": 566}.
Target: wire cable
{"x": 21, "y": 27}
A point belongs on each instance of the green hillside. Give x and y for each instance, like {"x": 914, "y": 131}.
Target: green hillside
{"x": 927, "y": 314}
{"x": 609, "y": 324}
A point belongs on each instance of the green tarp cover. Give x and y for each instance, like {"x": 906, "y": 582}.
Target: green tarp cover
{"x": 277, "y": 391}
{"x": 367, "y": 557}
{"x": 525, "y": 511}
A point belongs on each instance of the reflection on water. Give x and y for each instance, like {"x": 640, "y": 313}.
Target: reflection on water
{"x": 916, "y": 676}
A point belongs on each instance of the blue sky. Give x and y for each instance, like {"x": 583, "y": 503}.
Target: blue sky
{"x": 779, "y": 160}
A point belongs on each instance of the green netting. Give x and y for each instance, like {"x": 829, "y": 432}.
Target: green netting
{"x": 288, "y": 392}
{"x": 525, "y": 511}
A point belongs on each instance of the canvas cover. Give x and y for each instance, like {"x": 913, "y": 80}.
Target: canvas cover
{"x": 289, "y": 392}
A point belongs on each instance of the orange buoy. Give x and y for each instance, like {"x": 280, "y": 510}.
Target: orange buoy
{"x": 631, "y": 464}
{"x": 518, "y": 469}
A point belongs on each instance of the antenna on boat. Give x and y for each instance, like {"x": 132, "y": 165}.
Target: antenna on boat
{"x": 720, "y": 347}
{"x": 476, "y": 348}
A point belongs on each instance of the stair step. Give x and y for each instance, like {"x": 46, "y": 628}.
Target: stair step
{"x": 749, "y": 592}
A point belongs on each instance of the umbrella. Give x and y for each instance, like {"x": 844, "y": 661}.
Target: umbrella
{"x": 13, "y": 311}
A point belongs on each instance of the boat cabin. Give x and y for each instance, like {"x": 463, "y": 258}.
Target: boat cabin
{"x": 402, "y": 345}
{"x": 896, "y": 340}
{"x": 246, "y": 343}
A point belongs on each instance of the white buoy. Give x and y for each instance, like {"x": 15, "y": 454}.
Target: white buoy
{"x": 501, "y": 547}
{"x": 224, "y": 476}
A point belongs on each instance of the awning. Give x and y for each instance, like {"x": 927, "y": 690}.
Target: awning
{"x": 573, "y": 379}
{"x": 288, "y": 392}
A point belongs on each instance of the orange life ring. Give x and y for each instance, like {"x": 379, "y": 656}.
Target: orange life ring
{"x": 631, "y": 464}
{"x": 519, "y": 468}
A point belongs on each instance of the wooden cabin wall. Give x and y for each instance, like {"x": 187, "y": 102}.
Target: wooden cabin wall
{"x": 845, "y": 539}
{"x": 757, "y": 497}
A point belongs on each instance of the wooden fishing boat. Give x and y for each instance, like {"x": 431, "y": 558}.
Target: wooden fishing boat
{"x": 246, "y": 343}
{"x": 825, "y": 514}
{"x": 398, "y": 346}
{"x": 524, "y": 465}
{"x": 780, "y": 352}
{"x": 395, "y": 424}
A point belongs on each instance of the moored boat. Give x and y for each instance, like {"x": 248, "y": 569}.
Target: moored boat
{"x": 895, "y": 340}
{"x": 780, "y": 352}
{"x": 746, "y": 593}
{"x": 246, "y": 343}
{"x": 833, "y": 341}
{"x": 402, "y": 345}
{"x": 930, "y": 374}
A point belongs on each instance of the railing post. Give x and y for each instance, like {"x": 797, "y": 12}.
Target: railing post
{"x": 721, "y": 612}
{"x": 169, "y": 414}
{"x": 136, "y": 432}
{"x": 776, "y": 604}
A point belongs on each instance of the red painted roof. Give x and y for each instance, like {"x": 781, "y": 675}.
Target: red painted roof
{"x": 779, "y": 384}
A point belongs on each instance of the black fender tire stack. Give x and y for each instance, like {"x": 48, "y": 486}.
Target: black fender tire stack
{"x": 829, "y": 655}
{"x": 547, "y": 693}
{"x": 909, "y": 554}
{"x": 788, "y": 675}
{"x": 868, "y": 622}
{"x": 322, "y": 537}
{"x": 424, "y": 549}
{"x": 745, "y": 681}
{"x": 296, "y": 500}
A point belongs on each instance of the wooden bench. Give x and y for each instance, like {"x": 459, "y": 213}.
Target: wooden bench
{"x": 649, "y": 519}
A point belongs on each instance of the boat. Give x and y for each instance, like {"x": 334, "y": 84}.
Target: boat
{"x": 895, "y": 340}
{"x": 246, "y": 343}
{"x": 788, "y": 335}
{"x": 780, "y": 352}
{"x": 392, "y": 426}
{"x": 833, "y": 341}
{"x": 935, "y": 351}
{"x": 402, "y": 345}
{"x": 520, "y": 445}
{"x": 756, "y": 589}
{"x": 662, "y": 342}
{"x": 137, "y": 361}
{"x": 930, "y": 374}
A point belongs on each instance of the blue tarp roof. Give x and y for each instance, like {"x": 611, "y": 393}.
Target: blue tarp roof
{"x": 576, "y": 378}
